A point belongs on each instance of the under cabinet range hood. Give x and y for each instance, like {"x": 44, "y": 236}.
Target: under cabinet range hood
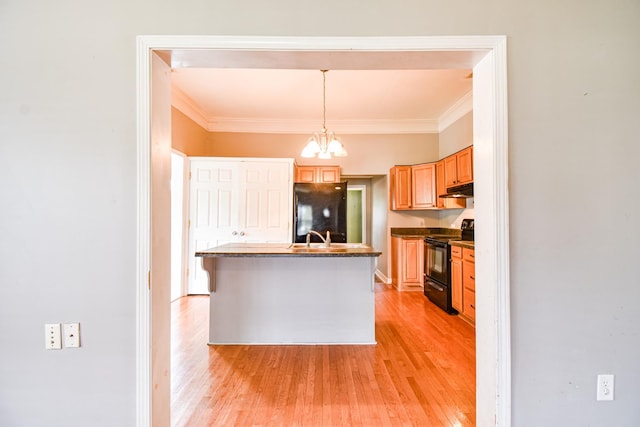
{"x": 459, "y": 192}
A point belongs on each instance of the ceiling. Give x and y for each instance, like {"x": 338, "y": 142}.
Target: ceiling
{"x": 288, "y": 99}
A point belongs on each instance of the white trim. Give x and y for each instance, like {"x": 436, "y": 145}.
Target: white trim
{"x": 491, "y": 208}
{"x": 184, "y": 255}
{"x": 180, "y": 101}
{"x": 143, "y": 227}
{"x": 501, "y": 194}
{"x": 293, "y": 126}
{"x": 493, "y": 241}
{"x": 188, "y": 107}
{"x": 461, "y": 107}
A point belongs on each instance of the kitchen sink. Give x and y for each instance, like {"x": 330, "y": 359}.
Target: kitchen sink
{"x": 320, "y": 247}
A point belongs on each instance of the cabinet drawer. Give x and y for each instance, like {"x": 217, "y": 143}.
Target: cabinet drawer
{"x": 469, "y": 302}
{"x": 468, "y": 275}
{"x": 456, "y": 251}
{"x": 469, "y": 254}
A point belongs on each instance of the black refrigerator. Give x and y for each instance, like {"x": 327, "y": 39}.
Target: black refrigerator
{"x": 320, "y": 207}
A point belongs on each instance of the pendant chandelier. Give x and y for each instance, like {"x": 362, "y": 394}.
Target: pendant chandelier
{"x": 324, "y": 144}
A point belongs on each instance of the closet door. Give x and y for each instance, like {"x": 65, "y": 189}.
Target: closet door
{"x": 236, "y": 200}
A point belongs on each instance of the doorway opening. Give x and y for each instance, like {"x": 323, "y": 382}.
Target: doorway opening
{"x": 178, "y": 253}
{"x": 486, "y": 55}
{"x": 356, "y": 214}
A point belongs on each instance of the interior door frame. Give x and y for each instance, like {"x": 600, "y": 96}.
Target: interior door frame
{"x": 493, "y": 343}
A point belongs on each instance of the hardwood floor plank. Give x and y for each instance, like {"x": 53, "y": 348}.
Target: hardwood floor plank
{"x": 420, "y": 373}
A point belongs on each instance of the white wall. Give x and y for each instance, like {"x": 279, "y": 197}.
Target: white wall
{"x": 67, "y": 163}
{"x": 457, "y": 136}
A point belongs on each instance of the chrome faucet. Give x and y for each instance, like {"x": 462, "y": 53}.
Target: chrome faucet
{"x": 326, "y": 241}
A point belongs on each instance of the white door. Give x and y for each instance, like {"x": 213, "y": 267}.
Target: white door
{"x": 235, "y": 200}
{"x": 177, "y": 225}
{"x": 212, "y": 218}
{"x": 266, "y": 200}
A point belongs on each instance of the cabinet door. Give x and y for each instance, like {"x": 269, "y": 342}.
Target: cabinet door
{"x": 305, "y": 174}
{"x": 328, "y": 174}
{"x": 469, "y": 283}
{"x": 456, "y": 284}
{"x": 440, "y": 187}
{"x": 413, "y": 255}
{"x": 396, "y": 256}
{"x": 400, "y": 187}
{"x": 317, "y": 173}
{"x": 450, "y": 171}
{"x": 464, "y": 164}
{"x": 423, "y": 188}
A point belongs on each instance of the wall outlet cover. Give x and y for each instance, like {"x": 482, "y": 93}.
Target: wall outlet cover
{"x": 72, "y": 335}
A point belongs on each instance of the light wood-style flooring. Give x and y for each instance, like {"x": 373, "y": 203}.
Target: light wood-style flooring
{"x": 421, "y": 373}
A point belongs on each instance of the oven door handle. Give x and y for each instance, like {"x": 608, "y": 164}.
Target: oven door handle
{"x": 436, "y": 244}
{"x": 435, "y": 286}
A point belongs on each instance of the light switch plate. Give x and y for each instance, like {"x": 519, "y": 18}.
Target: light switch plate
{"x": 71, "y": 335}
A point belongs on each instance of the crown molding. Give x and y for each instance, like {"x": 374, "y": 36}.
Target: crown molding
{"x": 290, "y": 126}
{"x": 461, "y": 107}
{"x": 188, "y": 107}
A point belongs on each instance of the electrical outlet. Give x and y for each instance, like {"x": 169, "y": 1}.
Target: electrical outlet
{"x": 52, "y": 336}
{"x": 71, "y": 335}
{"x": 605, "y": 387}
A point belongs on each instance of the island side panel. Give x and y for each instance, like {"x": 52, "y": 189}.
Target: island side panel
{"x": 293, "y": 300}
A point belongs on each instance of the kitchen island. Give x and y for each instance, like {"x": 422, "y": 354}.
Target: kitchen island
{"x": 275, "y": 293}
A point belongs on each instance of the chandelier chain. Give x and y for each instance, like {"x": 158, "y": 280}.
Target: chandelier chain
{"x": 324, "y": 100}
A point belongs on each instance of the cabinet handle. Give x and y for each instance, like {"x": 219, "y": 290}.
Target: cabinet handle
{"x": 234, "y": 233}
{"x": 242, "y": 233}
{"x": 473, "y": 277}
{"x": 472, "y": 306}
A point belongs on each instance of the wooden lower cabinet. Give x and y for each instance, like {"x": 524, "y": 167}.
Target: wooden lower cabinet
{"x": 407, "y": 263}
{"x": 456, "y": 278}
{"x": 463, "y": 282}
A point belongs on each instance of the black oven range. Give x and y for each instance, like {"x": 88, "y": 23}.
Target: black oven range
{"x": 437, "y": 262}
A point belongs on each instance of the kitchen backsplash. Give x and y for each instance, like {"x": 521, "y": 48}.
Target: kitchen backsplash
{"x": 453, "y": 218}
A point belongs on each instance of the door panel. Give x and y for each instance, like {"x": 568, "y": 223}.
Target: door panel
{"x": 236, "y": 201}
{"x": 211, "y": 211}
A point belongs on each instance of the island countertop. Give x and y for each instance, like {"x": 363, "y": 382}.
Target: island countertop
{"x": 289, "y": 250}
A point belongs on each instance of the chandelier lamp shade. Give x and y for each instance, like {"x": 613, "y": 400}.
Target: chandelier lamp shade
{"x": 324, "y": 144}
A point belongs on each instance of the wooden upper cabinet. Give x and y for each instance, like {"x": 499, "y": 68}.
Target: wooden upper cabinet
{"x": 465, "y": 165}
{"x": 420, "y": 186}
{"x": 317, "y": 174}
{"x": 400, "y": 187}
{"x": 440, "y": 187}
{"x": 458, "y": 168}
{"x": 423, "y": 188}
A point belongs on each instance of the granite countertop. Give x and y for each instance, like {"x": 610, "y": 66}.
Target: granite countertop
{"x": 423, "y": 231}
{"x": 470, "y": 244}
{"x": 289, "y": 250}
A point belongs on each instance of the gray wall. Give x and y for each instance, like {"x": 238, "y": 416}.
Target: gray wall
{"x": 68, "y": 199}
